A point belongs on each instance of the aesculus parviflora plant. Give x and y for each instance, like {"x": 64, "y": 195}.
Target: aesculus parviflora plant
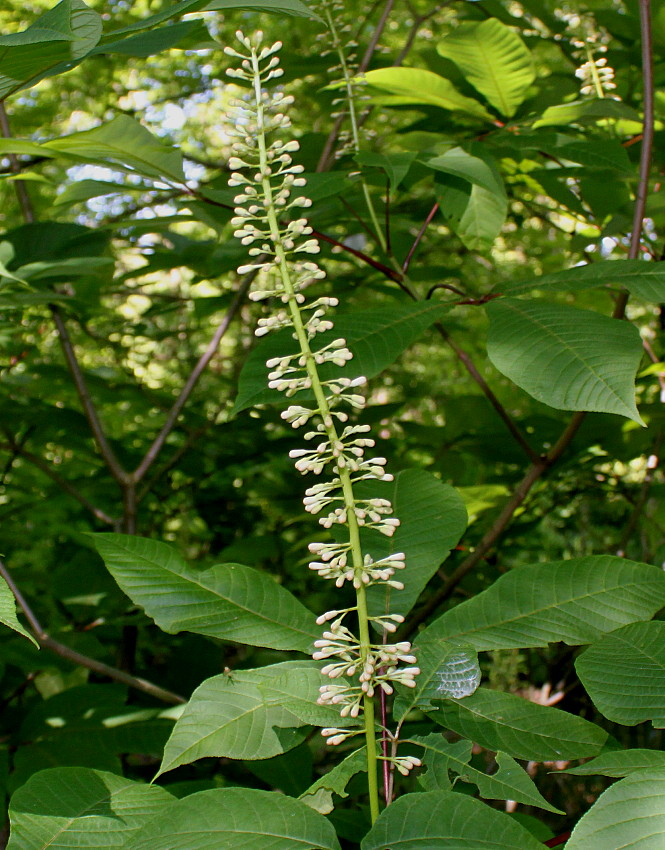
{"x": 359, "y": 666}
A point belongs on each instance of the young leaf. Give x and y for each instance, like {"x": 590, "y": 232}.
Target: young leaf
{"x": 319, "y": 796}
{"x": 494, "y": 59}
{"x": 631, "y": 813}
{"x": 422, "y": 88}
{"x": 474, "y": 213}
{"x": 508, "y": 782}
{"x": 567, "y": 358}
{"x": 586, "y": 112}
{"x": 228, "y": 717}
{"x": 376, "y": 337}
{"x": 477, "y": 170}
{"x": 228, "y": 601}
{"x": 523, "y": 729}
{"x": 447, "y": 669}
{"x": 620, "y": 763}
{"x": 624, "y": 674}
{"x": 238, "y": 819}
{"x": 8, "y": 611}
{"x": 66, "y": 807}
{"x": 444, "y": 819}
{"x": 572, "y": 601}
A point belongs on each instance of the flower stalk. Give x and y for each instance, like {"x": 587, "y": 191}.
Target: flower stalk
{"x": 263, "y": 169}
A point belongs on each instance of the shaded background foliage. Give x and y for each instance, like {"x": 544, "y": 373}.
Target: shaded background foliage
{"x": 163, "y": 282}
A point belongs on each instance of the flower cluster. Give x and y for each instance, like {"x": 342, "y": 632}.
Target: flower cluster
{"x": 338, "y": 449}
{"x": 596, "y": 76}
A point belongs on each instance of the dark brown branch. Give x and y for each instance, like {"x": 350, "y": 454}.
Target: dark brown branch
{"x": 192, "y": 380}
{"x": 532, "y": 475}
{"x": 19, "y": 185}
{"x": 18, "y": 451}
{"x": 85, "y": 398}
{"x": 47, "y": 642}
{"x": 503, "y": 414}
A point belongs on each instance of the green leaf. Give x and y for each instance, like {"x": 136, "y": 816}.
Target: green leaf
{"x": 508, "y": 782}
{"x": 572, "y": 601}
{"x": 432, "y": 520}
{"x": 494, "y": 59}
{"x": 476, "y": 170}
{"x": 297, "y": 691}
{"x": 630, "y": 814}
{"x": 474, "y": 213}
{"x": 238, "y": 819}
{"x": 184, "y": 7}
{"x": 228, "y": 601}
{"x": 444, "y": 820}
{"x": 63, "y": 34}
{"x": 396, "y": 165}
{"x": 228, "y": 717}
{"x": 127, "y": 145}
{"x": 447, "y": 669}
{"x": 645, "y": 280}
{"x": 586, "y": 112}
{"x": 376, "y": 337}
{"x": 567, "y": 358}
{"x": 319, "y": 796}
{"x": 523, "y": 729}
{"x": 67, "y": 807}
{"x": 22, "y": 147}
{"x": 620, "y": 763}
{"x": 155, "y": 41}
{"x": 422, "y": 88}
{"x": 8, "y": 612}
{"x": 83, "y": 190}
{"x": 624, "y": 674}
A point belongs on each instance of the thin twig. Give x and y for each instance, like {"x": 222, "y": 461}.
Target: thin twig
{"x": 153, "y": 452}
{"x": 20, "y": 187}
{"x": 47, "y": 642}
{"x": 18, "y": 451}
{"x": 421, "y": 233}
{"x": 91, "y": 414}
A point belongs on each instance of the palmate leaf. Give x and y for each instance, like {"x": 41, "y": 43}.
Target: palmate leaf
{"x": 494, "y": 60}
{"x": 508, "y": 782}
{"x": 238, "y": 819}
{"x": 404, "y": 86}
{"x": 444, "y": 820}
{"x": 644, "y": 280}
{"x": 572, "y": 601}
{"x": 624, "y": 674}
{"x": 228, "y": 716}
{"x": 376, "y": 338}
{"x": 8, "y": 611}
{"x": 228, "y": 601}
{"x": 630, "y": 814}
{"x": 567, "y": 358}
{"x": 525, "y": 730}
{"x": 67, "y": 807}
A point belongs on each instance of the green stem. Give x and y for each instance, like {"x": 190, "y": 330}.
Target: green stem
{"x": 351, "y": 98}
{"x": 331, "y": 433}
